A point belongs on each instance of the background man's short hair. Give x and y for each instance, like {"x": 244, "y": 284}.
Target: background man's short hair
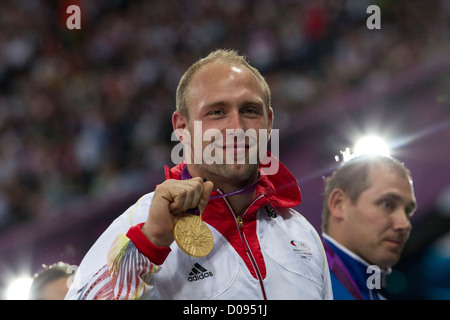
{"x": 46, "y": 275}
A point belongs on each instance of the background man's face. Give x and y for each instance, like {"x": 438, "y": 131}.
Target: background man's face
{"x": 378, "y": 226}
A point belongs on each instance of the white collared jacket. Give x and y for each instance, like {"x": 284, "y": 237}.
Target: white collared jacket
{"x": 271, "y": 252}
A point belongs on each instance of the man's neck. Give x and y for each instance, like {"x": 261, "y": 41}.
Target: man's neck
{"x": 239, "y": 203}
{"x": 344, "y": 249}
{"x": 350, "y": 253}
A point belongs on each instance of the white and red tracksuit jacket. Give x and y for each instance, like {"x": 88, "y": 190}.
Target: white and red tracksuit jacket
{"x": 261, "y": 256}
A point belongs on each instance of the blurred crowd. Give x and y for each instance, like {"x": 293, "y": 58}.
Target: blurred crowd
{"x": 86, "y": 113}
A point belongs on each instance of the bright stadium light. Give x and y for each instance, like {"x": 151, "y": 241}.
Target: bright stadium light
{"x": 368, "y": 145}
{"x": 371, "y": 145}
{"x": 19, "y": 289}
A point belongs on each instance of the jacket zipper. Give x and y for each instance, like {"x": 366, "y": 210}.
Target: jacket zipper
{"x": 240, "y": 224}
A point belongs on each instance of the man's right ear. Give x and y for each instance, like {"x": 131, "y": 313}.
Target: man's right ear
{"x": 179, "y": 124}
{"x": 336, "y": 203}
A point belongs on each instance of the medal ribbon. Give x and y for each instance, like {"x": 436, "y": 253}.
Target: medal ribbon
{"x": 340, "y": 271}
{"x": 186, "y": 175}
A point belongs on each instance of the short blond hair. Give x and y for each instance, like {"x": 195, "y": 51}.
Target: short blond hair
{"x": 224, "y": 56}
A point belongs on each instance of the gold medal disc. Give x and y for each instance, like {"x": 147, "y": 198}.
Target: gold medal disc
{"x": 193, "y": 236}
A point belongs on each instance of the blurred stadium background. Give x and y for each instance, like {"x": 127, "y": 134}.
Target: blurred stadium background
{"x": 85, "y": 114}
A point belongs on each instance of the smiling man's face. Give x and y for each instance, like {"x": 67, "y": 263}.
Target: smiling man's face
{"x": 223, "y": 97}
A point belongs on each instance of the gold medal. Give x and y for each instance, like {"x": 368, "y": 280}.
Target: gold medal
{"x": 193, "y": 236}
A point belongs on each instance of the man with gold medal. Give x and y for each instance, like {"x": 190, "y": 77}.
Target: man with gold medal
{"x": 212, "y": 229}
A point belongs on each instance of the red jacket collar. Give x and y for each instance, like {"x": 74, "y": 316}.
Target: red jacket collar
{"x": 281, "y": 188}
